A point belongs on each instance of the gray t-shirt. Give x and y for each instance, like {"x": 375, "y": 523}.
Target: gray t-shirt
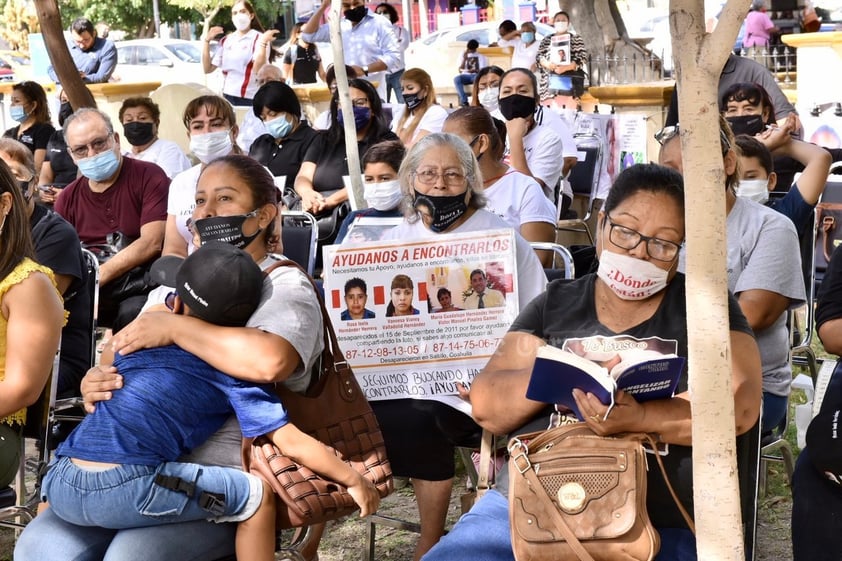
{"x": 289, "y": 308}
{"x": 763, "y": 253}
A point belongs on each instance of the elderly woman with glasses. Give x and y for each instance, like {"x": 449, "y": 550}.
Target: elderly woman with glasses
{"x": 442, "y": 187}
{"x": 640, "y": 232}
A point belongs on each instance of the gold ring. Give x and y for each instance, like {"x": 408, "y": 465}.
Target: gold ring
{"x": 596, "y": 418}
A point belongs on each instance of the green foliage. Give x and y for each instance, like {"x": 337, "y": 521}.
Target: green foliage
{"x": 133, "y": 16}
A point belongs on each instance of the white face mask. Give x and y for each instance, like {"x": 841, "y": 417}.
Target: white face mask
{"x": 383, "y": 196}
{"x": 488, "y": 98}
{"x": 630, "y": 278}
{"x": 242, "y": 22}
{"x": 561, "y": 26}
{"x": 210, "y": 146}
{"x": 756, "y": 190}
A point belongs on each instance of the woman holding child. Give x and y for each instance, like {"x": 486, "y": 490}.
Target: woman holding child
{"x": 237, "y": 199}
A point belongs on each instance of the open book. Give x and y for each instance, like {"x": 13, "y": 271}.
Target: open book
{"x": 645, "y": 374}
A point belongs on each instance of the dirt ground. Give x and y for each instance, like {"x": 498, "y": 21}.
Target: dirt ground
{"x": 345, "y": 540}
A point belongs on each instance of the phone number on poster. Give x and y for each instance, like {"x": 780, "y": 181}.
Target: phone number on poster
{"x": 469, "y": 345}
{"x": 403, "y": 350}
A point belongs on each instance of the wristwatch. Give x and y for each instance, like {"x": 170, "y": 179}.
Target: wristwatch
{"x": 365, "y": 70}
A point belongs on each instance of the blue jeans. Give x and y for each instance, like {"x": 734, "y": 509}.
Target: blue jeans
{"x": 393, "y": 84}
{"x": 483, "y": 534}
{"x": 774, "y": 411}
{"x": 48, "y": 537}
{"x": 128, "y": 496}
{"x": 460, "y": 81}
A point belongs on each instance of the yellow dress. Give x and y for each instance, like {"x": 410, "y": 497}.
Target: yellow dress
{"x": 20, "y": 273}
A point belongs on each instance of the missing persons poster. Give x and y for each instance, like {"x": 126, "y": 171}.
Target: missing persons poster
{"x": 413, "y": 318}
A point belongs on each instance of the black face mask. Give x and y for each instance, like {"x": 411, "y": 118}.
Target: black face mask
{"x": 65, "y": 111}
{"x": 746, "y": 124}
{"x": 226, "y": 229}
{"x": 517, "y": 106}
{"x": 445, "y": 210}
{"x": 411, "y": 101}
{"x": 138, "y": 133}
{"x": 356, "y": 15}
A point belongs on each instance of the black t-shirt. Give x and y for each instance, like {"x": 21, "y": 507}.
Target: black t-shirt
{"x": 284, "y": 158}
{"x": 566, "y": 311}
{"x": 830, "y": 294}
{"x": 305, "y": 64}
{"x": 332, "y": 162}
{"x": 57, "y": 246}
{"x": 34, "y": 138}
{"x": 62, "y": 164}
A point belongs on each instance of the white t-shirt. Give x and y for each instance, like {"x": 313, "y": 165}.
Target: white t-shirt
{"x": 322, "y": 122}
{"x": 235, "y": 59}
{"x": 166, "y": 153}
{"x": 524, "y": 56}
{"x": 531, "y": 279}
{"x": 432, "y": 121}
{"x": 543, "y": 148}
{"x": 182, "y": 200}
{"x": 546, "y": 117}
{"x": 518, "y": 199}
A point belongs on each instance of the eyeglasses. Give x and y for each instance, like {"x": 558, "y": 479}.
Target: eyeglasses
{"x": 668, "y": 133}
{"x": 169, "y": 301}
{"x": 628, "y": 239}
{"x": 451, "y": 178}
{"x": 98, "y": 145}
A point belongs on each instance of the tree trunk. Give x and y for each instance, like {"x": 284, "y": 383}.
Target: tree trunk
{"x": 699, "y": 59}
{"x": 50, "y": 19}
{"x": 601, "y": 26}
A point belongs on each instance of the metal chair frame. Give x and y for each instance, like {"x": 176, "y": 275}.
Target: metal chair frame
{"x": 584, "y": 182}
{"x": 295, "y": 222}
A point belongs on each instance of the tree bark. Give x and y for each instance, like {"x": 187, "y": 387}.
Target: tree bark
{"x": 50, "y": 19}
{"x": 699, "y": 59}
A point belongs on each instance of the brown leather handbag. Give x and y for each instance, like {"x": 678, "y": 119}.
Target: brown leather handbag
{"x": 334, "y": 411}
{"x": 574, "y": 495}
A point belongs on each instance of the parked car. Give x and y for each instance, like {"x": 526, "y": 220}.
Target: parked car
{"x": 445, "y": 46}
{"x": 163, "y": 60}
{"x": 14, "y": 66}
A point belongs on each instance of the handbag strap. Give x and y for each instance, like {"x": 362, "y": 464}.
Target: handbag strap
{"x": 332, "y": 357}
{"x": 687, "y": 518}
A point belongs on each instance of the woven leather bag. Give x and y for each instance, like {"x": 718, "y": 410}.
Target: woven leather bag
{"x": 334, "y": 411}
{"x": 574, "y": 495}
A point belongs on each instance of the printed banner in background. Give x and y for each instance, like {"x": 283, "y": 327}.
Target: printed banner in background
{"x": 631, "y": 139}
{"x": 388, "y": 302}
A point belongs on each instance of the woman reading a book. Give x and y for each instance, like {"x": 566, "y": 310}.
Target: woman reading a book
{"x": 640, "y": 231}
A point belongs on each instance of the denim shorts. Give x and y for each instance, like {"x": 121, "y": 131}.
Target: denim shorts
{"x": 128, "y": 496}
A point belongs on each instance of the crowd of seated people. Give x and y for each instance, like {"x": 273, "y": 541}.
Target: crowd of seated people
{"x": 499, "y": 162}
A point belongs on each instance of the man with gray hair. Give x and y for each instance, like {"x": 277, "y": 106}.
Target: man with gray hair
{"x": 119, "y": 202}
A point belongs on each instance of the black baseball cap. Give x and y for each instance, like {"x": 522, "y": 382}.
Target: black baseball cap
{"x": 220, "y": 283}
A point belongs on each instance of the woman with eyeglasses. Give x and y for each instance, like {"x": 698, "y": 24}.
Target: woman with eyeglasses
{"x": 516, "y": 197}
{"x": 442, "y": 187}
{"x": 319, "y": 182}
{"x": 29, "y": 108}
{"x": 236, "y": 201}
{"x": 635, "y": 299}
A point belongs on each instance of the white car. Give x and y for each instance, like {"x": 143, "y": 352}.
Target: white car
{"x": 163, "y": 60}
{"x": 439, "y": 52}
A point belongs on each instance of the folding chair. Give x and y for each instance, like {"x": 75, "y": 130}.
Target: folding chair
{"x": 560, "y": 253}
{"x": 748, "y": 470}
{"x": 584, "y": 180}
{"x": 299, "y": 236}
{"x": 17, "y": 507}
